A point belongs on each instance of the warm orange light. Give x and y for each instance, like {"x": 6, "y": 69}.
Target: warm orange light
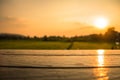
{"x": 100, "y": 22}
{"x": 100, "y": 57}
{"x": 101, "y": 73}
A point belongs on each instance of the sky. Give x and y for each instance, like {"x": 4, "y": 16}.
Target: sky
{"x": 57, "y": 17}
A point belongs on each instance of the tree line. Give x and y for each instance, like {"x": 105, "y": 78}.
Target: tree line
{"x": 111, "y": 35}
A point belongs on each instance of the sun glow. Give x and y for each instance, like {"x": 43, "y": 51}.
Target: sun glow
{"x": 100, "y": 22}
{"x": 100, "y": 57}
{"x": 101, "y": 73}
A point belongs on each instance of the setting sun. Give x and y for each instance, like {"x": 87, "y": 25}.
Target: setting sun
{"x": 101, "y": 22}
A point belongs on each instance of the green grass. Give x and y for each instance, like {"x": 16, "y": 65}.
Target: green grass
{"x": 35, "y": 44}
{"x": 91, "y": 45}
{"x": 32, "y": 44}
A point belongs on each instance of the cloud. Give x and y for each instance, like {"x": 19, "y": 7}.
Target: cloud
{"x": 7, "y": 19}
{"x": 13, "y": 25}
{"x": 11, "y": 22}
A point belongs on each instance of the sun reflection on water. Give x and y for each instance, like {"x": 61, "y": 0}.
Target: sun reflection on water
{"x": 100, "y": 57}
{"x": 101, "y": 73}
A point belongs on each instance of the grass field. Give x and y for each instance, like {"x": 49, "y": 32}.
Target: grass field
{"x": 91, "y": 45}
{"x": 34, "y": 44}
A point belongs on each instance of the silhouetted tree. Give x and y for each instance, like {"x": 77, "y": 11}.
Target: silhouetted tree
{"x": 44, "y": 38}
{"x": 11, "y": 36}
{"x": 111, "y": 35}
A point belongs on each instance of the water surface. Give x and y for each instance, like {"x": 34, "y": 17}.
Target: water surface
{"x": 59, "y": 64}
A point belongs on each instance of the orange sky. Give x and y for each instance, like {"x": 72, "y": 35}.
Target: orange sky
{"x": 56, "y": 17}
